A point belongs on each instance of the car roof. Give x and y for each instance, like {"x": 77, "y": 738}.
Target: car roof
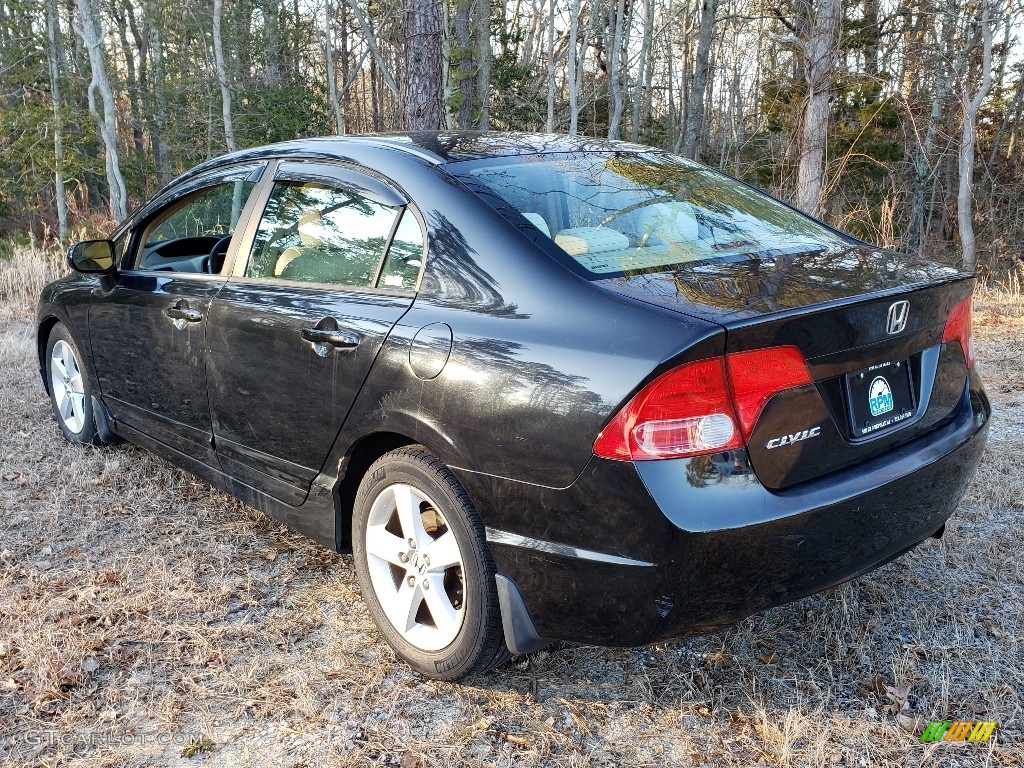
{"x": 455, "y": 146}
{"x": 433, "y": 147}
{"x": 436, "y": 147}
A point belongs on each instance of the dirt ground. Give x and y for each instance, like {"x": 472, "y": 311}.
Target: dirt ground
{"x": 146, "y": 619}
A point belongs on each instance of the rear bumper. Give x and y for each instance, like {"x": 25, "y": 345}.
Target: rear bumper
{"x": 667, "y": 549}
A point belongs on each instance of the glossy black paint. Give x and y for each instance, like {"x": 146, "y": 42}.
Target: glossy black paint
{"x": 506, "y": 364}
{"x": 153, "y": 378}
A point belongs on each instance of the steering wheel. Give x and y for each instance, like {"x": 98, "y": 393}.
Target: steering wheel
{"x": 215, "y": 260}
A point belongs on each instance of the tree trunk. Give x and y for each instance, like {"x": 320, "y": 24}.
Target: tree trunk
{"x": 820, "y": 56}
{"x": 160, "y": 148}
{"x": 422, "y": 94}
{"x": 465, "y": 77}
{"x": 332, "y": 75}
{"x": 575, "y": 61}
{"x": 371, "y": 42}
{"x": 550, "y": 124}
{"x": 871, "y": 33}
{"x": 90, "y": 30}
{"x": 483, "y": 71}
{"x": 615, "y": 106}
{"x": 698, "y": 89}
{"x": 53, "y": 58}
{"x": 643, "y": 77}
{"x": 222, "y": 77}
{"x": 964, "y": 201}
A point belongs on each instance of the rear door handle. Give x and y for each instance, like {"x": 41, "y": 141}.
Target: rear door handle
{"x": 184, "y": 313}
{"x": 339, "y": 339}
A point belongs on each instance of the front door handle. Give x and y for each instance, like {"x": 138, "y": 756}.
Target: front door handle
{"x": 187, "y": 314}
{"x": 339, "y": 339}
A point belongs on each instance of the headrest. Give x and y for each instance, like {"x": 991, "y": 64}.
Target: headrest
{"x": 310, "y": 228}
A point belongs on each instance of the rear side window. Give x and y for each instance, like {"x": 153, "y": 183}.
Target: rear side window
{"x": 405, "y": 256}
{"x": 314, "y": 233}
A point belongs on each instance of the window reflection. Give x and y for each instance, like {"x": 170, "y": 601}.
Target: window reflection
{"x": 311, "y": 232}
{"x": 402, "y": 266}
{"x": 621, "y": 213}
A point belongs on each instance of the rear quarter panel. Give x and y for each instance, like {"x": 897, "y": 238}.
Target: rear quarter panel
{"x": 540, "y": 358}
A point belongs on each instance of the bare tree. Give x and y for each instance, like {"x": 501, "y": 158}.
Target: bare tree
{"x": 819, "y": 53}
{"x": 575, "y": 66}
{"x": 464, "y": 74}
{"x": 222, "y": 77}
{"x": 91, "y": 31}
{"x": 53, "y": 56}
{"x": 483, "y": 67}
{"x": 615, "y": 77}
{"x": 332, "y": 74}
{"x": 549, "y": 126}
{"x": 701, "y": 68}
{"x": 972, "y": 104}
{"x": 422, "y": 95}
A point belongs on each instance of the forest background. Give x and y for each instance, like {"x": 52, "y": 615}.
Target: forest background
{"x": 899, "y": 122}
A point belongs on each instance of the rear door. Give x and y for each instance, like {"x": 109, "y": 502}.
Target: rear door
{"x": 334, "y": 263}
{"x": 149, "y": 331}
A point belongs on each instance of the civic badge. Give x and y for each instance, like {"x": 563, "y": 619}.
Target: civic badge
{"x": 899, "y": 313}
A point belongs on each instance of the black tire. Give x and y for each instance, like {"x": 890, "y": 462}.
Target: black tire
{"x": 479, "y": 643}
{"x": 83, "y": 418}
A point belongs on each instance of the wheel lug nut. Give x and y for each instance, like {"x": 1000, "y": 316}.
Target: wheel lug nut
{"x": 426, "y": 561}
{"x": 412, "y": 581}
{"x": 403, "y": 557}
{"x": 426, "y": 585}
{"x": 412, "y": 542}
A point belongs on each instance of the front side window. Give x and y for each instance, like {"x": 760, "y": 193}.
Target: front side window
{"x": 628, "y": 212}
{"x": 316, "y": 233}
{"x": 193, "y": 232}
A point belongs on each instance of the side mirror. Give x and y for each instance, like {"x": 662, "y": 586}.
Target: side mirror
{"x": 92, "y": 257}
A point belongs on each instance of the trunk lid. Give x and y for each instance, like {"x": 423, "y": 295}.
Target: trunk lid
{"x": 876, "y": 385}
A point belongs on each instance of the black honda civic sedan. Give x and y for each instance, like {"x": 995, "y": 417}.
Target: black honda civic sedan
{"x": 544, "y": 388}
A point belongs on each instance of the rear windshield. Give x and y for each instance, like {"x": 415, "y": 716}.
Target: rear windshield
{"x": 617, "y": 213}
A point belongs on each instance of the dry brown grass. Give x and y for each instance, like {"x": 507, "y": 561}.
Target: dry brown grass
{"x": 145, "y": 617}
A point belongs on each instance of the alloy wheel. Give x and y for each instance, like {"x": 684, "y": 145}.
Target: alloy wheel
{"x": 416, "y": 567}
{"x": 67, "y": 386}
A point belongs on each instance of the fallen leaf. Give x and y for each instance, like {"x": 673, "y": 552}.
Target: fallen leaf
{"x": 768, "y": 658}
{"x": 526, "y": 743}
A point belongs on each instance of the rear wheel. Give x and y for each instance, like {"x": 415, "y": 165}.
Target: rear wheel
{"x": 424, "y": 566}
{"x": 70, "y": 389}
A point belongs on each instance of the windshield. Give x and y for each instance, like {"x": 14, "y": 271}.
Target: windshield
{"x": 617, "y": 213}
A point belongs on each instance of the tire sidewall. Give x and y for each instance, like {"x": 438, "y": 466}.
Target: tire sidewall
{"x": 480, "y": 592}
{"x": 88, "y": 434}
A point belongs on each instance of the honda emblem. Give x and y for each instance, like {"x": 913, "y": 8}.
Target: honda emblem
{"x": 899, "y": 313}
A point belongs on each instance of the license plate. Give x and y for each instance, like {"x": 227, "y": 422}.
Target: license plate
{"x": 880, "y": 397}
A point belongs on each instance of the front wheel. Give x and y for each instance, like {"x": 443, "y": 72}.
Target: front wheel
{"x": 424, "y": 566}
{"x": 70, "y": 390}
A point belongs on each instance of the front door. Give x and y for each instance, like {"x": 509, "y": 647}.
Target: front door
{"x": 154, "y": 380}
{"x": 334, "y": 264}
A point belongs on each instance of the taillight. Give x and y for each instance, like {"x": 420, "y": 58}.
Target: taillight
{"x": 684, "y": 412}
{"x": 702, "y": 407}
{"x": 758, "y": 375}
{"x": 958, "y": 328}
